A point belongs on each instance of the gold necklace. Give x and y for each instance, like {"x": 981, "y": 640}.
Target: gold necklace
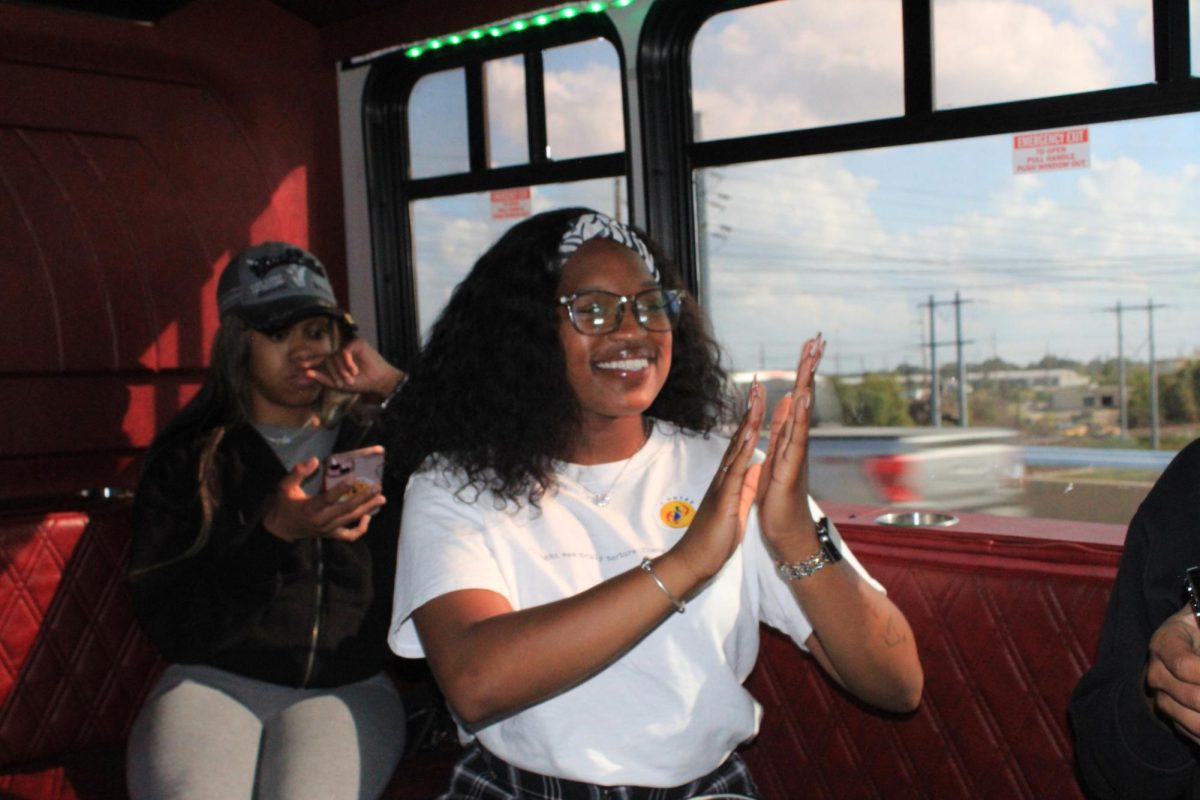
{"x": 601, "y": 499}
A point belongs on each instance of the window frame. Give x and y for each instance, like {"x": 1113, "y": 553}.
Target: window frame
{"x": 390, "y": 189}
{"x": 673, "y": 156}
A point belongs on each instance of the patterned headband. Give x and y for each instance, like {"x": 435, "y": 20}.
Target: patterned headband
{"x": 594, "y": 225}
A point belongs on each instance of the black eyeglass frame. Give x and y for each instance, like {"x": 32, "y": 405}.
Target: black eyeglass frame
{"x": 673, "y": 297}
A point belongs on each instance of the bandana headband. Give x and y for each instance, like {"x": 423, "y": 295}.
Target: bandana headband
{"x": 594, "y": 225}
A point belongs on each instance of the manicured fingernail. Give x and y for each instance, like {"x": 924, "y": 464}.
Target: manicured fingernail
{"x": 808, "y": 399}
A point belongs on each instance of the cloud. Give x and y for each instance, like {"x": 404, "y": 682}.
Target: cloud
{"x": 582, "y": 87}
{"x": 583, "y": 108}
{"x": 996, "y": 50}
{"x": 820, "y": 243}
{"x": 797, "y": 65}
{"x": 810, "y": 63}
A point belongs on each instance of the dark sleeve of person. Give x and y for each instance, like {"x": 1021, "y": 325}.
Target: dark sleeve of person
{"x": 1123, "y": 749}
{"x": 194, "y": 593}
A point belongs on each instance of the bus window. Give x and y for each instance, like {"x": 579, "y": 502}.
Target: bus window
{"x": 1194, "y": 24}
{"x": 450, "y": 233}
{"x": 787, "y": 65}
{"x": 989, "y": 52}
{"x": 583, "y": 100}
{"x": 1013, "y": 284}
{"x": 508, "y": 137}
{"x": 437, "y": 125}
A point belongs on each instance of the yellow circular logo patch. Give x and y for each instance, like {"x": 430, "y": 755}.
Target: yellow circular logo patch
{"x": 677, "y": 513}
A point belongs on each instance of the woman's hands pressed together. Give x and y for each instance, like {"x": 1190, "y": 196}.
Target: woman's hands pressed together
{"x": 718, "y": 527}
{"x": 859, "y": 636}
{"x": 782, "y": 496}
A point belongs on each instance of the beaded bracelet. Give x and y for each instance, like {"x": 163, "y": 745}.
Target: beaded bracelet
{"x": 648, "y": 566}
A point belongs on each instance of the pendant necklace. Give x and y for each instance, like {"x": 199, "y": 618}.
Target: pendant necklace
{"x": 282, "y": 435}
{"x": 601, "y": 499}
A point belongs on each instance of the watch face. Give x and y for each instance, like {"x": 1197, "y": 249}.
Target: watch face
{"x": 828, "y": 546}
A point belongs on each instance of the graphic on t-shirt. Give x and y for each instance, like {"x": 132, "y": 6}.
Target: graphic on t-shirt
{"x": 677, "y": 512}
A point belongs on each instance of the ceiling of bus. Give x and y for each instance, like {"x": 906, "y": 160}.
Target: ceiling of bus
{"x": 316, "y": 12}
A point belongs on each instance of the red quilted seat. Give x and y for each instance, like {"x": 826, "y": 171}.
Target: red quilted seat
{"x": 1005, "y": 626}
{"x": 74, "y": 666}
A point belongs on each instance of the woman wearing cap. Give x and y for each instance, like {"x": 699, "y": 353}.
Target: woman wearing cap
{"x": 579, "y": 558}
{"x": 269, "y": 597}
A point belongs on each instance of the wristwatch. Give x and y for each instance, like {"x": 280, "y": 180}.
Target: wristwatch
{"x": 827, "y": 553}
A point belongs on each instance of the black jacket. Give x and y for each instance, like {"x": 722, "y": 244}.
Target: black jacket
{"x": 312, "y": 613}
{"x": 1123, "y": 749}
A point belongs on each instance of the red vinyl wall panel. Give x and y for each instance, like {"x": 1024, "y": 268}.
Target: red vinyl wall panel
{"x": 134, "y": 161}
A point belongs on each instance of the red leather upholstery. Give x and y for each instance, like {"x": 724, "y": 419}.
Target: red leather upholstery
{"x": 74, "y": 666}
{"x": 1005, "y": 625}
{"x": 1005, "y": 628}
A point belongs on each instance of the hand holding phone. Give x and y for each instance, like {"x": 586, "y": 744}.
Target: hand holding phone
{"x": 362, "y": 467}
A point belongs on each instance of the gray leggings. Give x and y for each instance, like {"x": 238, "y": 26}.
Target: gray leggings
{"x": 205, "y": 733}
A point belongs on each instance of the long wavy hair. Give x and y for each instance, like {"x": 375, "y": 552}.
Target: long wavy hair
{"x": 489, "y": 394}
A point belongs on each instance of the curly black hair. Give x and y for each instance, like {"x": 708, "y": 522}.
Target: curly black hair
{"x": 489, "y": 393}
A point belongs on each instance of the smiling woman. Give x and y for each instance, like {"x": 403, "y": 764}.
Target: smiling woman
{"x": 616, "y": 363}
{"x": 575, "y": 501}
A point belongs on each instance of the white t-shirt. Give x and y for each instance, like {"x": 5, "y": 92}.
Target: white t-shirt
{"x": 671, "y": 709}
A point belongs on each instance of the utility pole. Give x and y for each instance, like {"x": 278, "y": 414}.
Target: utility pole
{"x": 962, "y": 367}
{"x": 1154, "y": 440}
{"x": 1121, "y": 402}
{"x": 935, "y": 389}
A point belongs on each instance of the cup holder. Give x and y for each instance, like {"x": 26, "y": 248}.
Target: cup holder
{"x": 916, "y": 519}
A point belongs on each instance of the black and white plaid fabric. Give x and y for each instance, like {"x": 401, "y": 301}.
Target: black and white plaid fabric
{"x": 479, "y": 775}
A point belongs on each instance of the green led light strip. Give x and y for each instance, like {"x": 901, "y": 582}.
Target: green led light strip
{"x": 538, "y": 19}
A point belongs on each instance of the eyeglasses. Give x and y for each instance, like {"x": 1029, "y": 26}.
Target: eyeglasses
{"x": 598, "y": 312}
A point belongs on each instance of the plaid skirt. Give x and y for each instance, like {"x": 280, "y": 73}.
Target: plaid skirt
{"x": 479, "y": 775}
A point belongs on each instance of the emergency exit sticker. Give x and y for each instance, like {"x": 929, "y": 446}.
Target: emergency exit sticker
{"x": 1044, "y": 151}
{"x": 512, "y": 203}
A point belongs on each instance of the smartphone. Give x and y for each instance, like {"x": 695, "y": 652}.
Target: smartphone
{"x": 364, "y": 466}
{"x": 1191, "y": 585}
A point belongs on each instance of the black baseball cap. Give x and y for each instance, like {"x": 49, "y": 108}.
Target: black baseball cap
{"x": 275, "y": 284}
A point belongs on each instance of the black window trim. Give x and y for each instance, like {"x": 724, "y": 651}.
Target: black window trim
{"x": 386, "y": 94}
{"x": 672, "y": 157}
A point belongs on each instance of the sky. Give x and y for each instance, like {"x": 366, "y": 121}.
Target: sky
{"x": 856, "y": 244}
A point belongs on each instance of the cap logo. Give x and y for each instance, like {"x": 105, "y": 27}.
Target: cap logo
{"x": 268, "y": 284}
{"x": 297, "y": 273}
{"x": 275, "y": 271}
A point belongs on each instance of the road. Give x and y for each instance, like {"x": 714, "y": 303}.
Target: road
{"x": 1078, "y": 483}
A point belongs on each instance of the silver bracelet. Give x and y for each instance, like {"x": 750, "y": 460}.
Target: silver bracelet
{"x": 648, "y": 567}
{"x": 827, "y": 553}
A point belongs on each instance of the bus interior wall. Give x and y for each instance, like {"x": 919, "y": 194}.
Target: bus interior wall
{"x": 134, "y": 161}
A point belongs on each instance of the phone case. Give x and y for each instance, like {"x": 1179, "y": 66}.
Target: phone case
{"x": 364, "y": 466}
